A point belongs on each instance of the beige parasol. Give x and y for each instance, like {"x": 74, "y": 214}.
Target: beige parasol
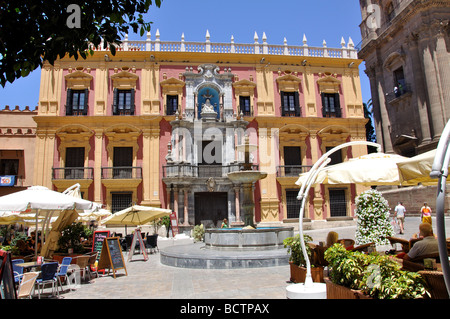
{"x": 370, "y": 169}
{"x": 136, "y": 215}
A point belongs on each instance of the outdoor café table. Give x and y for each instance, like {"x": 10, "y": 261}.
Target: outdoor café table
{"x": 30, "y": 265}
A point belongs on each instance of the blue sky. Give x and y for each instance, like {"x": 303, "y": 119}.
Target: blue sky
{"x": 319, "y": 20}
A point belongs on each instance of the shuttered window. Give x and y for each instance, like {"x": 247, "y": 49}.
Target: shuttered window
{"x": 77, "y": 102}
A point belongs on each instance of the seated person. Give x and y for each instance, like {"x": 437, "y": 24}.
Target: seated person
{"x": 428, "y": 245}
{"x": 332, "y": 238}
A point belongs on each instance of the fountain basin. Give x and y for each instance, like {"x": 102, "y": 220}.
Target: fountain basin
{"x": 246, "y": 176}
{"x": 239, "y": 239}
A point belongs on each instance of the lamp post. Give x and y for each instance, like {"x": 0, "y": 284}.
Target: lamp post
{"x": 310, "y": 289}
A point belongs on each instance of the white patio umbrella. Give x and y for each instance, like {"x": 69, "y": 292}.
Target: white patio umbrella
{"x": 417, "y": 169}
{"x": 90, "y": 215}
{"x": 42, "y": 201}
{"x": 136, "y": 215}
{"x": 368, "y": 170}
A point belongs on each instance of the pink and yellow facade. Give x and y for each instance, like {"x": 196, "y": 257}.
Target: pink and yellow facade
{"x": 159, "y": 123}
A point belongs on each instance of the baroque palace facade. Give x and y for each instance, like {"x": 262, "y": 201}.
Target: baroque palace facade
{"x": 158, "y": 124}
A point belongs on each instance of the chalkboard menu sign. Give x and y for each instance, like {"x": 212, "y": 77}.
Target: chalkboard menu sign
{"x": 7, "y": 287}
{"x": 111, "y": 256}
{"x": 97, "y": 242}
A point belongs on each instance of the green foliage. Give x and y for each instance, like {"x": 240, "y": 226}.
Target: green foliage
{"x": 295, "y": 249}
{"x": 373, "y": 224}
{"x": 71, "y": 237}
{"x": 33, "y": 31}
{"x": 376, "y": 275}
{"x": 199, "y": 232}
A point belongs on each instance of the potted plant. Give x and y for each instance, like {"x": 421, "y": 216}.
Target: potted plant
{"x": 70, "y": 239}
{"x": 297, "y": 261}
{"x": 355, "y": 275}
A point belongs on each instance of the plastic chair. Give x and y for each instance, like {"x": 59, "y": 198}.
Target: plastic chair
{"x": 152, "y": 242}
{"x": 48, "y": 276}
{"x": 82, "y": 263}
{"x": 27, "y": 285}
{"x": 17, "y": 270}
{"x": 63, "y": 270}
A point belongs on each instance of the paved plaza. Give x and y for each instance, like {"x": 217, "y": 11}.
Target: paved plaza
{"x": 152, "y": 280}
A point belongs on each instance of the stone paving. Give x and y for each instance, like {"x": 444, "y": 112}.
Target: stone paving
{"x": 152, "y": 280}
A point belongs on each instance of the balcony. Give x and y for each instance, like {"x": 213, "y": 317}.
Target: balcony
{"x": 122, "y": 172}
{"x": 201, "y": 171}
{"x": 398, "y": 94}
{"x": 64, "y": 177}
{"x": 292, "y": 170}
{"x": 121, "y": 177}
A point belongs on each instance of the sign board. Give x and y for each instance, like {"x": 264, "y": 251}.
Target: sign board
{"x": 7, "y": 180}
{"x": 111, "y": 256}
{"x": 174, "y": 223}
{"x": 7, "y": 286}
{"x": 137, "y": 237}
{"x": 97, "y": 241}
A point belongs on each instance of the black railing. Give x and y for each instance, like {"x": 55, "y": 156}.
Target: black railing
{"x": 73, "y": 173}
{"x": 336, "y": 113}
{"x": 398, "y": 92}
{"x": 189, "y": 170}
{"x": 122, "y": 172}
{"x": 288, "y": 112}
{"x": 292, "y": 170}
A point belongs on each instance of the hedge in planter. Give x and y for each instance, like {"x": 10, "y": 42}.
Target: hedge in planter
{"x": 375, "y": 275}
{"x": 297, "y": 261}
{"x": 373, "y": 224}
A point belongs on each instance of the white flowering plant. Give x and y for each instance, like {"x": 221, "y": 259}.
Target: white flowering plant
{"x": 372, "y": 211}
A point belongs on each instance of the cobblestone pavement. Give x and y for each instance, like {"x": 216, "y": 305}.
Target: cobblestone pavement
{"x": 152, "y": 280}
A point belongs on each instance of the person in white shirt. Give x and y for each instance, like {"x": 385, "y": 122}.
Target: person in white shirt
{"x": 400, "y": 215}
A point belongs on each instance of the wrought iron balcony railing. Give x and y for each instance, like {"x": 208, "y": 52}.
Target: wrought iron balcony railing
{"x": 189, "y": 170}
{"x": 122, "y": 172}
{"x": 292, "y": 170}
{"x": 73, "y": 173}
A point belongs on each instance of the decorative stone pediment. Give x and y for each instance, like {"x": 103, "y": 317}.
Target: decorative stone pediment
{"x": 78, "y": 80}
{"x": 244, "y": 88}
{"x": 288, "y": 83}
{"x": 75, "y": 135}
{"x": 329, "y": 84}
{"x": 124, "y": 80}
{"x": 293, "y": 133}
{"x": 172, "y": 86}
{"x": 393, "y": 61}
{"x": 122, "y": 136}
{"x": 334, "y": 134}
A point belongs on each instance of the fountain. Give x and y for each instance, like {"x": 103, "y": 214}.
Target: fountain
{"x": 246, "y": 247}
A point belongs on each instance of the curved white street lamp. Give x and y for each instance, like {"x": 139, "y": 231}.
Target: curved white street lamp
{"x": 440, "y": 170}
{"x": 311, "y": 289}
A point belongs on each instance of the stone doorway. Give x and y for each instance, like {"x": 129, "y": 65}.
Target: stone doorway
{"x": 210, "y": 208}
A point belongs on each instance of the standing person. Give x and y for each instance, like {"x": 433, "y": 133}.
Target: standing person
{"x": 425, "y": 213}
{"x": 224, "y": 223}
{"x": 400, "y": 215}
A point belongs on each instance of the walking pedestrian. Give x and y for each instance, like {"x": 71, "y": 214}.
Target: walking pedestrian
{"x": 400, "y": 215}
{"x": 425, "y": 213}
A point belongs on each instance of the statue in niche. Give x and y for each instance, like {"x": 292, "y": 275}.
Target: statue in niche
{"x": 207, "y": 107}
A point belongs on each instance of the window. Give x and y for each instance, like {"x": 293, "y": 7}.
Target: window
{"x": 292, "y": 203}
{"x": 74, "y": 163}
{"x": 123, "y": 102}
{"x": 77, "y": 102}
{"x": 120, "y": 201}
{"x": 399, "y": 82}
{"x": 244, "y": 105}
{"x": 335, "y": 157}
{"x": 338, "y": 203}
{"x": 290, "y": 105}
{"x": 292, "y": 161}
{"x": 122, "y": 162}
{"x": 172, "y": 104}
{"x": 330, "y": 105}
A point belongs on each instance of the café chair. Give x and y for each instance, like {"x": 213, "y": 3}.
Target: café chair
{"x": 403, "y": 242}
{"x": 63, "y": 272}
{"x": 363, "y": 248}
{"x": 435, "y": 284}
{"x": 347, "y": 243}
{"x": 26, "y": 286}
{"x": 152, "y": 242}
{"x": 17, "y": 270}
{"x": 48, "y": 276}
{"x": 82, "y": 263}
